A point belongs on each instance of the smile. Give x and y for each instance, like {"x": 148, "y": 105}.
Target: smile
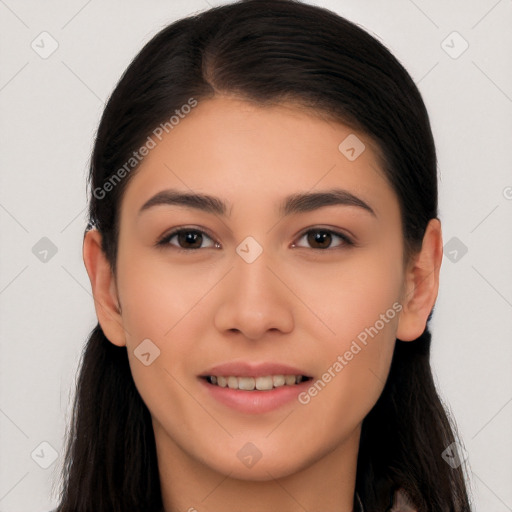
{"x": 265, "y": 383}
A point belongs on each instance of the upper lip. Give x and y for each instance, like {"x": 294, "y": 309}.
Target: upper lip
{"x": 251, "y": 369}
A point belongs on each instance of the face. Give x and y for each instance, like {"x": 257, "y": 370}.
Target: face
{"x": 267, "y": 287}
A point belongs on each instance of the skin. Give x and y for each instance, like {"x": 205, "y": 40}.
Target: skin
{"x": 301, "y": 305}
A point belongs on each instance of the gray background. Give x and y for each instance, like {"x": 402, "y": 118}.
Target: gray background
{"x": 50, "y": 108}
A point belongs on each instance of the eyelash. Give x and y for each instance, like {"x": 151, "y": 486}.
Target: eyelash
{"x": 164, "y": 241}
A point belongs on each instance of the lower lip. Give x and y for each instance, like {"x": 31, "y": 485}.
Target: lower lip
{"x": 255, "y": 402}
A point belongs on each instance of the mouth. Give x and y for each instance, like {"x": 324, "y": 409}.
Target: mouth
{"x": 250, "y": 387}
{"x": 263, "y": 383}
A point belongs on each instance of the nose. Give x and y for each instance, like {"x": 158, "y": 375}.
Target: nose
{"x": 255, "y": 299}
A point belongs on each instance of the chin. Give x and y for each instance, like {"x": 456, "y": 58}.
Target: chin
{"x": 264, "y": 471}
{"x": 267, "y": 463}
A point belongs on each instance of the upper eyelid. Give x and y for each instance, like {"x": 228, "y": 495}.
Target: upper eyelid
{"x": 180, "y": 229}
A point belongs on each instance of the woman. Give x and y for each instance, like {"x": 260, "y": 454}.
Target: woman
{"x": 264, "y": 254}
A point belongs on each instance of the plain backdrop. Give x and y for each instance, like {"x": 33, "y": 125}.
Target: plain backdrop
{"x": 459, "y": 53}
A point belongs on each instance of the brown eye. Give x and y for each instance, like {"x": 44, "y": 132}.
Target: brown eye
{"x": 189, "y": 239}
{"x": 323, "y": 238}
{"x": 186, "y": 239}
{"x": 319, "y": 239}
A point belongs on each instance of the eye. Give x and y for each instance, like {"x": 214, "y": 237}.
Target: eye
{"x": 187, "y": 239}
{"x": 321, "y": 238}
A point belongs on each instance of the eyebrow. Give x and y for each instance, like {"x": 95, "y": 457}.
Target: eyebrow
{"x": 292, "y": 204}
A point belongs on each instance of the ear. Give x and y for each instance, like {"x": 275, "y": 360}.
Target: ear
{"x": 421, "y": 284}
{"x": 104, "y": 288}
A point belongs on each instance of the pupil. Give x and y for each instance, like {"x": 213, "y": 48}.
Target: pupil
{"x": 188, "y": 237}
{"x": 321, "y": 237}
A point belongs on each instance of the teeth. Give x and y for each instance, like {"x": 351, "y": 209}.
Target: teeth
{"x": 266, "y": 383}
{"x": 289, "y": 380}
{"x": 278, "y": 380}
{"x": 247, "y": 383}
{"x": 259, "y": 383}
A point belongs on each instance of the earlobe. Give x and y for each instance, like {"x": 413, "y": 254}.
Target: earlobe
{"x": 104, "y": 288}
{"x": 421, "y": 284}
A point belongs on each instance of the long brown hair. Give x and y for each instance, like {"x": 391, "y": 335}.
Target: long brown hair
{"x": 266, "y": 51}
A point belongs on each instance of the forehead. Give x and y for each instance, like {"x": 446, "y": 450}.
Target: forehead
{"x": 251, "y": 154}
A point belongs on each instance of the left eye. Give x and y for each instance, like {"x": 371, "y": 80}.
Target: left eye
{"x": 323, "y": 238}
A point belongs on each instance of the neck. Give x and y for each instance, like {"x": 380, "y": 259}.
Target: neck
{"x": 323, "y": 485}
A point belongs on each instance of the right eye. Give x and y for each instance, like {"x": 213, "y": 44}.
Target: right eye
{"x": 187, "y": 239}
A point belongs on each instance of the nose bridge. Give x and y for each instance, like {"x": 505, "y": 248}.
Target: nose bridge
{"x": 255, "y": 300}
{"x": 252, "y": 275}
{"x": 254, "y": 284}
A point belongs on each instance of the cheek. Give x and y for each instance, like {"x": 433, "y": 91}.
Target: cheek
{"x": 165, "y": 303}
{"x": 360, "y": 305}
{"x": 157, "y": 297}
{"x": 351, "y": 296}
{"x": 158, "y": 304}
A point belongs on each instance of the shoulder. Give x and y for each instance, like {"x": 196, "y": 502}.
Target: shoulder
{"x": 401, "y": 502}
